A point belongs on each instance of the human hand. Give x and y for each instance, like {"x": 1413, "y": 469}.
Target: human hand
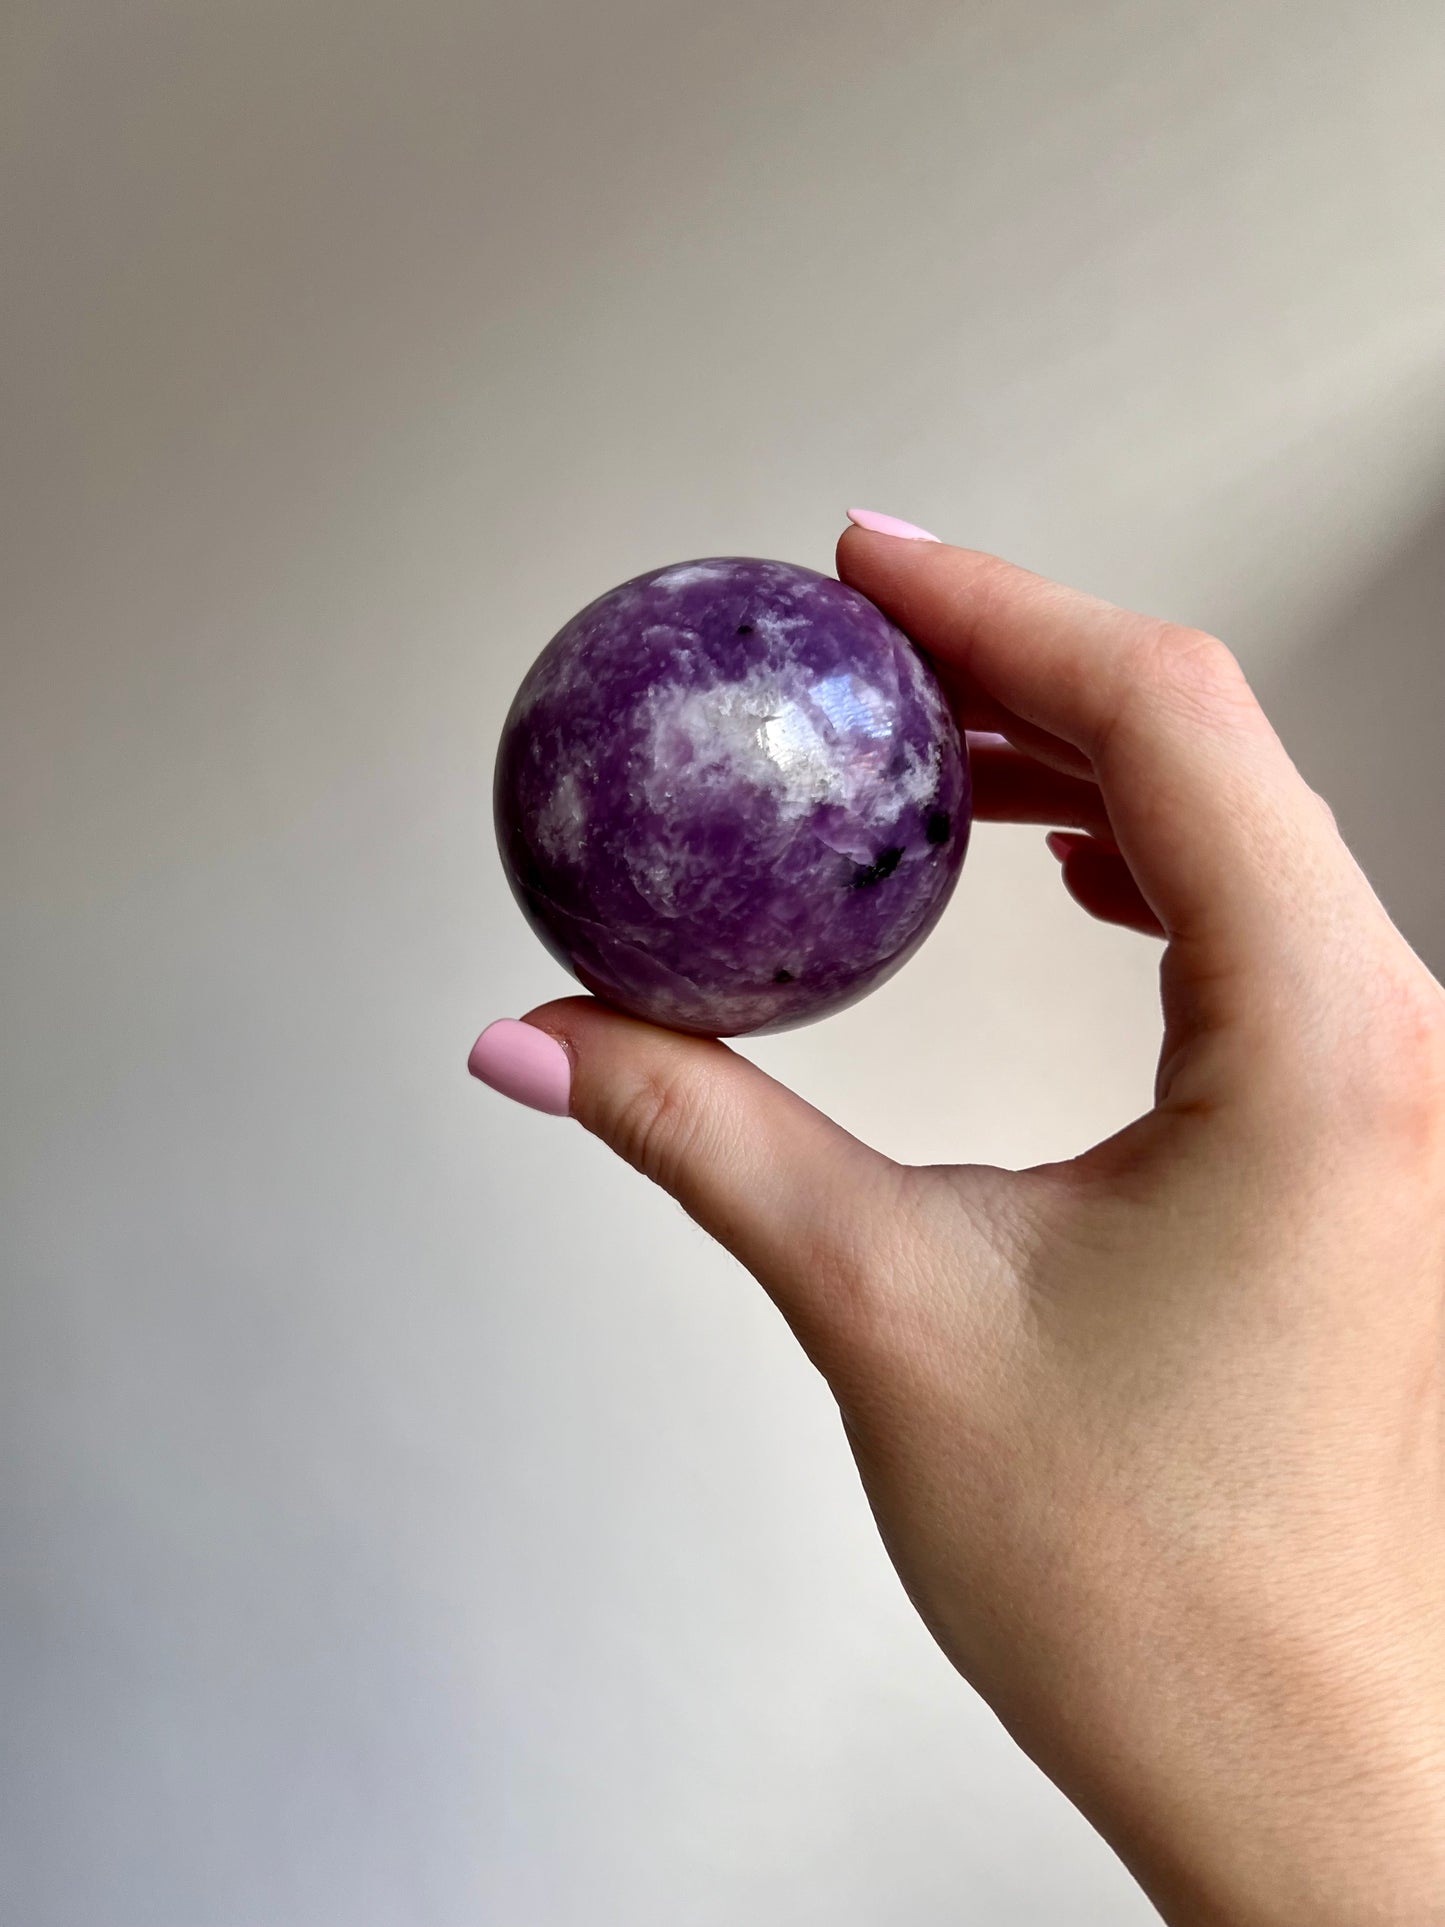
{"x": 1156, "y": 1437}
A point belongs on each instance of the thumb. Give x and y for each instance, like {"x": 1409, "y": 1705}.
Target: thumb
{"x": 790, "y": 1193}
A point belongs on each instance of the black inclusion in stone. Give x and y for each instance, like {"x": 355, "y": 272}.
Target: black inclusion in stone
{"x": 883, "y": 865}
{"x": 745, "y": 628}
{"x": 938, "y": 826}
{"x": 782, "y": 976}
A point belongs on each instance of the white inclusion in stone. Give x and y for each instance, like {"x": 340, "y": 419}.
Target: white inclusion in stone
{"x": 753, "y": 734}
{"x": 685, "y": 576}
{"x": 791, "y": 742}
{"x": 562, "y": 825}
{"x": 727, "y": 736}
{"x": 852, "y": 707}
{"x": 919, "y": 781}
{"x": 773, "y": 627}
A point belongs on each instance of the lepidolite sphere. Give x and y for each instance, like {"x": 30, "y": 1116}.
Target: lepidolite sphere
{"x": 730, "y": 796}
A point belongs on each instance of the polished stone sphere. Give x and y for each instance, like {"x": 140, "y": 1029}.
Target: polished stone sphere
{"x": 730, "y": 796}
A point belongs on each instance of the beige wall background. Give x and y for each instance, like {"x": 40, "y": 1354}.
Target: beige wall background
{"x": 406, "y": 1518}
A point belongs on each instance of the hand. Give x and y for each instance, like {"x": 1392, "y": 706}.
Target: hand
{"x": 1155, "y": 1437}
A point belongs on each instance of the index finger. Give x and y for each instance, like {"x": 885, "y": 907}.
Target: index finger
{"x": 1206, "y": 807}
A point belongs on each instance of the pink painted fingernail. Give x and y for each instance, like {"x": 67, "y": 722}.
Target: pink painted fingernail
{"x": 1060, "y": 843}
{"x": 889, "y": 525}
{"x": 524, "y": 1063}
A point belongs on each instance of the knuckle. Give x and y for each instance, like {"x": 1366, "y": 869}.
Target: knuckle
{"x": 849, "y": 1306}
{"x": 651, "y": 1127}
{"x": 1169, "y": 674}
{"x": 859, "y": 1289}
{"x": 1380, "y": 1080}
{"x": 1406, "y": 1063}
{"x": 1195, "y": 667}
{"x": 877, "y": 1270}
{"x": 1326, "y": 813}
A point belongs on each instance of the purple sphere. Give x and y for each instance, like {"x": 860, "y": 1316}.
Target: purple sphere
{"x": 730, "y": 796}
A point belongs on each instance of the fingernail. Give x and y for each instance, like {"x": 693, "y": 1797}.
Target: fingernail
{"x": 1060, "y": 843}
{"x": 889, "y": 525}
{"x": 523, "y": 1063}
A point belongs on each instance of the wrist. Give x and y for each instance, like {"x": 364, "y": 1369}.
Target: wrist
{"x": 1302, "y": 1786}
{"x": 1370, "y": 1855}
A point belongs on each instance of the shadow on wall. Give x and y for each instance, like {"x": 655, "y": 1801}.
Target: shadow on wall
{"x": 1363, "y": 713}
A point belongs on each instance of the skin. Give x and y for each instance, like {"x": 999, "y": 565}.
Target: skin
{"x": 1155, "y": 1437}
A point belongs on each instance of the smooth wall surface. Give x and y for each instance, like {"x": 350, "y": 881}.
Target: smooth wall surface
{"x": 406, "y": 1518}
